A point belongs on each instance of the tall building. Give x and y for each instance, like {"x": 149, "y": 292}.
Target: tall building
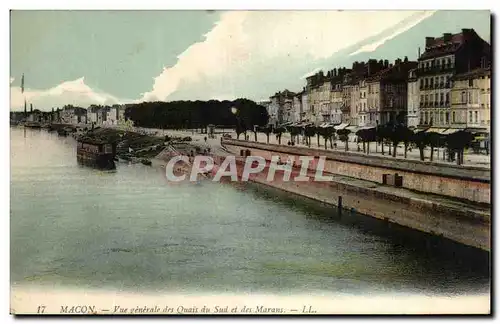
{"x": 281, "y": 108}
{"x": 313, "y": 89}
{"x": 305, "y": 106}
{"x": 297, "y": 107}
{"x": 471, "y": 100}
{"x": 388, "y": 93}
{"x": 337, "y": 95}
{"x": 443, "y": 58}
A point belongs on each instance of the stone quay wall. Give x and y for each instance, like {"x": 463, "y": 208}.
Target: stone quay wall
{"x": 463, "y": 182}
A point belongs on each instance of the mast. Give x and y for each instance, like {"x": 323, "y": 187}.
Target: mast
{"x": 22, "y": 91}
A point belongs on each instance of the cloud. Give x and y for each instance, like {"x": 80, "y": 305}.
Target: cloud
{"x": 242, "y": 42}
{"x": 74, "y": 92}
{"x": 411, "y": 23}
{"x": 308, "y": 74}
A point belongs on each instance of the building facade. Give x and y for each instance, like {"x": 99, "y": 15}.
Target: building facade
{"x": 297, "y": 107}
{"x": 471, "y": 100}
{"x": 73, "y": 115}
{"x": 443, "y": 58}
{"x": 388, "y": 93}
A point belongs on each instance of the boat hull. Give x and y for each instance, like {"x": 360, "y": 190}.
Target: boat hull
{"x": 96, "y": 160}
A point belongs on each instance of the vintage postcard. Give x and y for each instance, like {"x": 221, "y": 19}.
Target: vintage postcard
{"x": 206, "y": 162}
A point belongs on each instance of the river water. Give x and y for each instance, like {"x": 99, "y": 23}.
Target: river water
{"x": 131, "y": 230}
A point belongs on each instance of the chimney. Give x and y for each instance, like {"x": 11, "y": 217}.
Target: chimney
{"x": 429, "y": 41}
{"x": 447, "y": 37}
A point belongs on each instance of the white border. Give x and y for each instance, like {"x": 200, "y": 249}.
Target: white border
{"x": 182, "y": 4}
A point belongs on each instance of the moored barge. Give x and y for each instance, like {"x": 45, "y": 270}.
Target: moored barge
{"x": 96, "y": 153}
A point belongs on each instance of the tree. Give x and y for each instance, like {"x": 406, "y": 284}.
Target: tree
{"x": 399, "y": 133}
{"x": 344, "y": 136}
{"x": 367, "y": 135}
{"x": 279, "y": 131}
{"x": 294, "y": 133}
{"x": 433, "y": 140}
{"x": 420, "y": 140}
{"x": 267, "y": 131}
{"x": 457, "y": 142}
{"x": 407, "y": 136}
{"x": 319, "y": 131}
{"x": 382, "y": 133}
{"x": 309, "y": 131}
{"x": 255, "y": 132}
{"x": 329, "y": 134}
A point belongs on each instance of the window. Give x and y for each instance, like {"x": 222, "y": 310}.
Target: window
{"x": 426, "y": 98}
{"x": 435, "y": 97}
{"x": 426, "y": 82}
{"x": 470, "y": 97}
{"x": 449, "y": 62}
{"x": 447, "y": 97}
{"x": 470, "y": 116}
{"x": 432, "y": 82}
{"x": 441, "y": 97}
{"x": 453, "y": 117}
{"x": 421, "y": 83}
{"x": 422, "y": 98}
{"x": 475, "y": 116}
{"x": 464, "y": 98}
{"x": 447, "y": 117}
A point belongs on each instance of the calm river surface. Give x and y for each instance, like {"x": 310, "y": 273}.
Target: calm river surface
{"x": 132, "y": 230}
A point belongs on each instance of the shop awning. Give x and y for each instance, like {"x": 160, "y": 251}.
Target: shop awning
{"x": 341, "y": 126}
{"x": 435, "y": 130}
{"x": 451, "y": 131}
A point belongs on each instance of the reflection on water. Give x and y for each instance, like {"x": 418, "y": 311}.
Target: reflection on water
{"x": 132, "y": 230}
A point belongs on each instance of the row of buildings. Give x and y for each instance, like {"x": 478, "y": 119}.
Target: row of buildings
{"x": 448, "y": 87}
{"x": 97, "y": 115}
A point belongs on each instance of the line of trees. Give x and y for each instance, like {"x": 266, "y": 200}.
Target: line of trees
{"x": 389, "y": 136}
{"x": 242, "y": 113}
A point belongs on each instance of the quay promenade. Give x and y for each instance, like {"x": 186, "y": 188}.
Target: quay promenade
{"x": 470, "y": 159}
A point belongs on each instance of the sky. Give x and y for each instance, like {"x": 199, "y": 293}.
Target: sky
{"x": 107, "y": 57}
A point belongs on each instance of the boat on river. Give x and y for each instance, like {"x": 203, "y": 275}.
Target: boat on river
{"x": 95, "y": 152}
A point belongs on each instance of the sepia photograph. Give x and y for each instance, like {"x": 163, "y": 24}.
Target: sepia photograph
{"x": 250, "y": 162}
